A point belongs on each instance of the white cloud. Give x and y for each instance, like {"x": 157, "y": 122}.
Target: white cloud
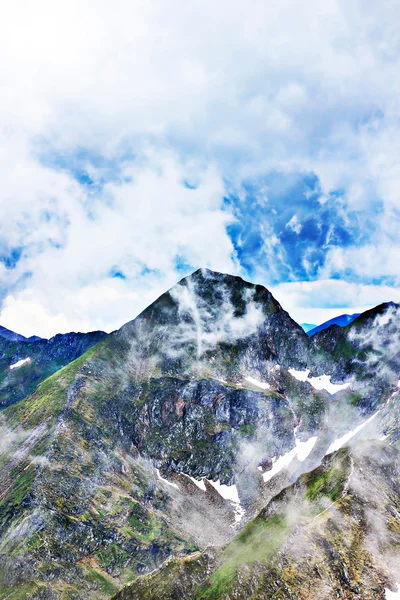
{"x": 204, "y": 91}
{"x": 373, "y": 260}
{"x": 145, "y": 223}
{"x": 319, "y": 301}
{"x": 211, "y": 323}
{"x": 294, "y": 224}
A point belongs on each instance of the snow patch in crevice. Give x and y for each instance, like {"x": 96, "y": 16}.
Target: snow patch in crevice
{"x": 392, "y": 395}
{"x": 260, "y": 384}
{"x": 323, "y": 382}
{"x": 299, "y": 375}
{"x": 19, "y": 363}
{"x": 227, "y": 492}
{"x": 230, "y": 493}
{"x": 301, "y": 451}
{"x": 166, "y": 480}
{"x": 239, "y": 513}
{"x": 337, "y": 444}
{"x": 393, "y": 595}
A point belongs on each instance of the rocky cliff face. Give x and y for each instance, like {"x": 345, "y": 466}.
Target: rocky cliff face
{"x": 333, "y": 534}
{"x": 173, "y": 433}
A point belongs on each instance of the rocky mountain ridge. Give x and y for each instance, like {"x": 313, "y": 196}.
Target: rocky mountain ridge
{"x": 174, "y": 432}
{"x": 25, "y": 363}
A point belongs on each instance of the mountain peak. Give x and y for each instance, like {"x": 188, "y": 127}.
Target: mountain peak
{"x": 203, "y": 274}
{"x": 213, "y": 319}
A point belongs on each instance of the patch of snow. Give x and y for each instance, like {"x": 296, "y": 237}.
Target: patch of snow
{"x": 383, "y": 438}
{"x": 166, "y": 480}
{"x": 323, "y": 382}
{"x": 299, "y": 375}
{"x": 301, "y": 451}
{"x": 228, "y": 492}
{"x": 279, "y": 463}
{"x": 337, "y": 444}
{"x": 304, "y": 448}
{"x": 392, "y": 395}
{"x": 393, "y": 595}
{"x": 200, "y": 484}
{"x": 19, "y": 363}
{"x": 260, "y": 384}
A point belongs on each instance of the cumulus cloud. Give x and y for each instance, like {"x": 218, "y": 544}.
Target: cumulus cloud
{"x": 125, "y": 127}
{"x": 137, "y": 231}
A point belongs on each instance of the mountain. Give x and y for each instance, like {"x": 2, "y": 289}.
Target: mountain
{"x": 16, "y": 337}
{"x": 341, "y": 320}
{"x": 168, "y": 446}
{"x": 307, "y": 326}
{"x": 329, "y": 535}
{"x": 24, "y": 364}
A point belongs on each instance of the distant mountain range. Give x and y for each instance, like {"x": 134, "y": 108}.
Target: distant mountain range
{"x": 308, "y": 326}
{"x": 341, "y": 320}
{"x": 209, "y": 449}
{"x": 16, "y": 337}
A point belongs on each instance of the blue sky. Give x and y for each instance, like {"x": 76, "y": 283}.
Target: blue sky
{"x": 141, "y": 140}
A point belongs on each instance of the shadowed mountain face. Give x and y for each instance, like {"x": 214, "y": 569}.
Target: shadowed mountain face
{"x": 25, "y": 363}
{"x": 16, "y": 337}
{"x": 190, "y": 426}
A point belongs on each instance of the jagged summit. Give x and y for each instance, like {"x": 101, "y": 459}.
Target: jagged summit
{"x": 219, "y": 320}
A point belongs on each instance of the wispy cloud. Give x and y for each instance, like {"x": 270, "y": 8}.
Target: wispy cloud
{"x": 208, "y": 323}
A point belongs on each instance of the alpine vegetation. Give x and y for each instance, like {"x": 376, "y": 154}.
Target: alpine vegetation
{"x": 208, "y": 449}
